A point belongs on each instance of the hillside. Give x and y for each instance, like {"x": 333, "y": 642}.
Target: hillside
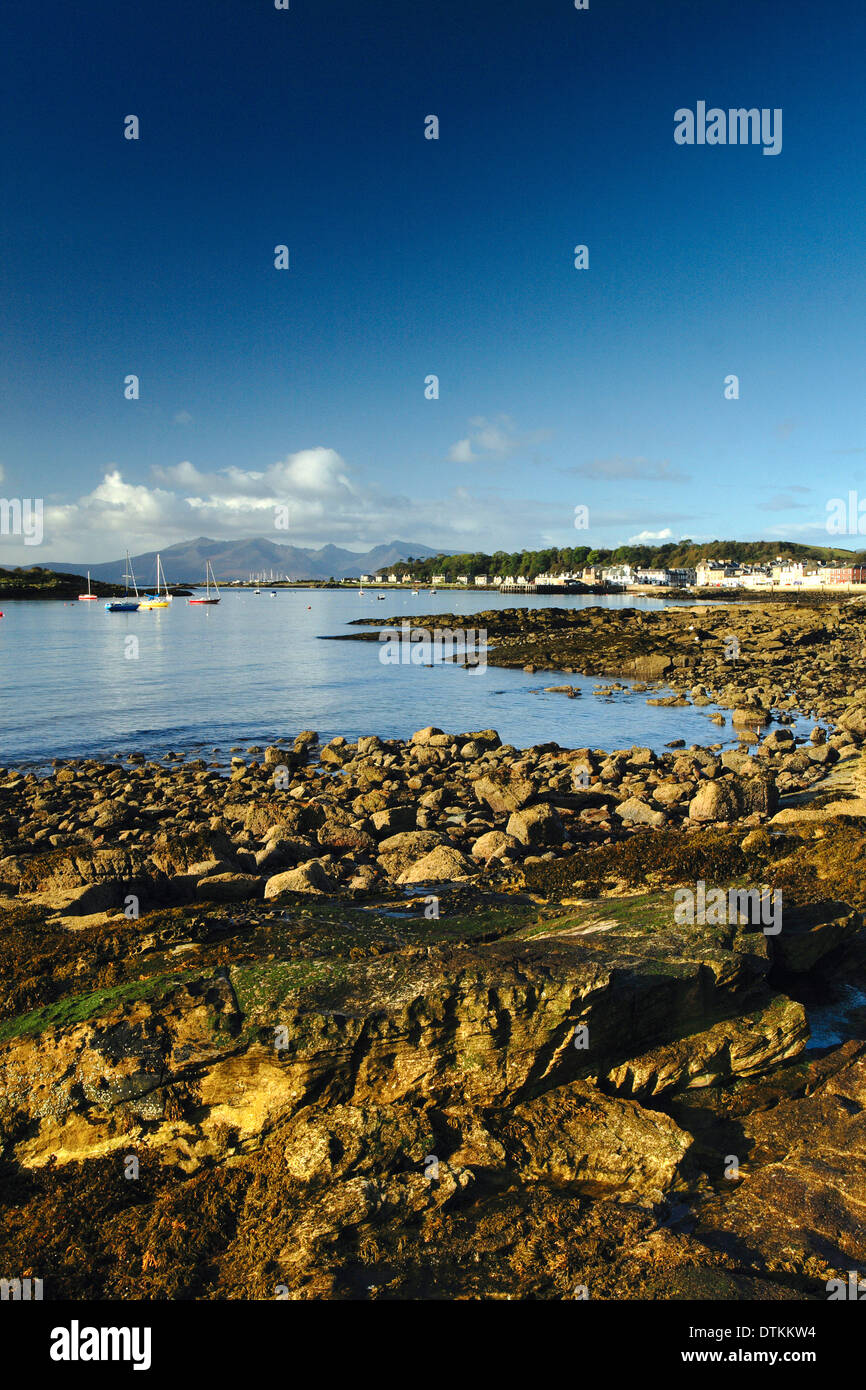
{"x": 37, "y": 582}
{"x": 185, "y": 562}
{"x": 684, "y": 554}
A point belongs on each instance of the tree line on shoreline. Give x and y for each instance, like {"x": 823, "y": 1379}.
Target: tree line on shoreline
{"x": 684, "y": 554}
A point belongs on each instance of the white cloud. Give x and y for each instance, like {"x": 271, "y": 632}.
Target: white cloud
{"x": 631, "y": 468}
{"x": 493, "y": 439}
{"x": 497, "y": 437}
{"x": 310, "y": 472}
{"x": 182, "y": 417}
{"x": 327, "y": 500}
{"x": 646, "y": 537}
{"x": 783, "y": 502}
{"x": 461, "y": 452}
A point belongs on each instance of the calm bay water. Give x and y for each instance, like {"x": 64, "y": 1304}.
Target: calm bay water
{"x": 253, "y": 669}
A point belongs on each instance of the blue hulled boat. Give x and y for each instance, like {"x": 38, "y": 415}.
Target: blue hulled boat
{"x": 127, "y": 604}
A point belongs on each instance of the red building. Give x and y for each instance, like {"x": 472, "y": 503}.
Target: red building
{"x": 846, "y": 574}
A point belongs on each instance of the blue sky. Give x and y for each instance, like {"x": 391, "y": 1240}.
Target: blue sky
{"x": 410, "y": 257}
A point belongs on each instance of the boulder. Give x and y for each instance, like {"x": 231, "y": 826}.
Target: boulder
{"x": 779, "y": 738}
{"x": 229, "y": 888}
{"x": 535, "y": 825}
{"x": 494, "y": 845}
{"x": 82, "y": 901}
{"x": 423, "y": 755}
{"x": 442, "y": 865}
{"x": 503, "y": 794}
{"x": 280, "y": 853}
{"x": 430, "y": 735}
{"x": 742, "y": 763}
{"x": 267, "y": 819}
{"x": 854, "y": 721}
{"x": 601, "y": 1144}
{"x": 488, "y": 737}
{"x": 66, "y": 869}
{"x": 306, "y": 878}
{"x": 331, "y": 756}
{"x": 749, "y": 716}
{"x": 716, "y": 801}
{"x": 281, "y": 757}
{"x": 633, "y": 811}
{"x": 824, "y": 754}
{"x": 758, "y": 795}
{"x": 650, "y": 667}
{"x": 671, "y": 792}
{"x": 399, "y": 852}
{"x": 346, "y": 839}
{"x": 370, "y": 744}
{"x": 393, "y": 820}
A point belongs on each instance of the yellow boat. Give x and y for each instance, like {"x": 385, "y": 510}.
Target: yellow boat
{"x": 157, "y": 600}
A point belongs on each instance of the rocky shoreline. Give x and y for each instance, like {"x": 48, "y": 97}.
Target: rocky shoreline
{"x": 423, "y": 1019}
{"x": 755, "y": 656}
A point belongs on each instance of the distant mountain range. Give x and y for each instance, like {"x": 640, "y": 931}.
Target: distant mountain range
{"x": 185, "y": 562}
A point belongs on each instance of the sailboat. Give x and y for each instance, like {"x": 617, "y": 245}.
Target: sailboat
{"x": 88, "y": 597}
{"x": 157, "y": 600}
{"x": 125, "y": 604}
{"x": 208, "y": 576}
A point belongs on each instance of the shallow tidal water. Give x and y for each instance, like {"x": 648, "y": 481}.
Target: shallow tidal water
{"x": 253, "y": 669}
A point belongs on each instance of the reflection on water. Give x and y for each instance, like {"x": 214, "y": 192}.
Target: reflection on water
{"x": 254, "y": 669}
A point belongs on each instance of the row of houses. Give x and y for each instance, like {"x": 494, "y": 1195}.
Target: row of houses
{"x": 783, "y": 574}
{"x": 730, "y": 574}
{"x": 619, "y": 575}
{"x": 709, "y": 574}
{"x": 623, "y": 576}
{"x": 479, "y": 581}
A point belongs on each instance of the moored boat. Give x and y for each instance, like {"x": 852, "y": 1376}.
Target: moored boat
{"x": 208, "y": 576}
{"x": 88, "y": 597}
{"x": 157, "y": 600}
{"x": 127, "y": 604}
